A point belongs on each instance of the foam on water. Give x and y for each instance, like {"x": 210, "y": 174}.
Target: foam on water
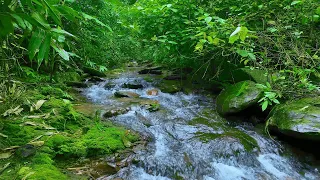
{"x": 176, "y": 150}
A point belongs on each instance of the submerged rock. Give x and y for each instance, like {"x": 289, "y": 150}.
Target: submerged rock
{"x": 121, "y": 94}
{"x": 299, "y": 119}
{"x": 154, "y": 70}
{"x": 238, "y": 97}
{"x": 132, "y": 86}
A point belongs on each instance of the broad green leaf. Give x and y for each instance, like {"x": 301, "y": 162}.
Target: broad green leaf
{"x": 174, "y": 10}
{"x": 243, "y": 53}
{"x": 62, "y": 53}
{"x": 61, "y": 31}
{"x": 56, "y": 18}
{"x": 39, "y": 19}
{"x": 243, "y": 33}
{"x": 216, "y": 41}
{"x": 296, "y": 2}
{"x": 264, "y": 105}
{"x": 34, "y": 43}
{"x": 19, "y": 21}
{"x": 233, "y": 39}
{"x": 252, "y": 56}
{"x": 6, "y": 25}
{"x": 44, "y": 50}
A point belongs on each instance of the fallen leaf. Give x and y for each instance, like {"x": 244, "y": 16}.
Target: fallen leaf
{"x": 3, "y": 135}
{"x": 37, "y": 143}
{"x": 5, "y": 155}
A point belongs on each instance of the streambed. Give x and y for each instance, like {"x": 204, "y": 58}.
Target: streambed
{"x": 189, "y": 140}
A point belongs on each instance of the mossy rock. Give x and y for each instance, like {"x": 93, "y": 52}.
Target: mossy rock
{"x": 298, "y": 119}
{"x": 171, "y": 87}
{"x": 238, "y": 97}
{"x": 93, "y": 72}
{"x": 62, "y": 77}
{"x": 256, "y": 75}
{"x": 129, "y": 94}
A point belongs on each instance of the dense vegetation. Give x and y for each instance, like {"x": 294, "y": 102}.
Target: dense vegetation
{"x": 53, "y": 42}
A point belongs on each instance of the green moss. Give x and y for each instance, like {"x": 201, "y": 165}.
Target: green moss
{"x": 106, "y": 140}
{"x": 303, "y": 113}
{"x": 238, "y": 97}
{"x": 247, "y": 141}
{"x": 62, "y": 77}
{"x": 55, "y": 92}
{"x": 170, "y": 86}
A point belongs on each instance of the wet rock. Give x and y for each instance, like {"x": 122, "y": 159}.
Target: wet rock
{"x": 26, "y": 151}
{"x": 116, "y": 112}
{"x": 95, "y": 79}
{"x": 109, "y": 86}
{"x": 153, "y": 92}
{"x": 132, "y": 86}
{"x": 77, "y": 84}
{"x": 153, "y": 70}
{"x": 298, "y": 119}
{"x": 143, "y": 119}
{"x": 238, "y": 97}
{"x": 93, "y": 72}
{"x": 121, "y": 94}
{"x": 170, "y": 87}
{"x": 153, "y": 107}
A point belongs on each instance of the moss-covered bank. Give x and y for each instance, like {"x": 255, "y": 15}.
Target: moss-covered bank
{"x": 32, "y": 142}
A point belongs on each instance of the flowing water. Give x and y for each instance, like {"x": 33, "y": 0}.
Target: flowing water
{"x": 190, "y": 141}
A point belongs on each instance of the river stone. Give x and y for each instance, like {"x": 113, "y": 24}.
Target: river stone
{"x": 153, "y": 92}
{"x": 238, "y": 97}
{"x": 129, "y": 94}
{"x": 299, "y": 119}
{"x": 132, "y": 86}
{"x": 26, "y": 151}
{"x": 116, "y": 112}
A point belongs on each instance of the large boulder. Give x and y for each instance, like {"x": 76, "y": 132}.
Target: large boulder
{"x": 299, "y": 119}
{"x": 238, "y": 97}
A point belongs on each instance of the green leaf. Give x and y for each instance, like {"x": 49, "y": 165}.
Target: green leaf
{"x": 34, "y": 43}
{"x": 243, "y": 53}
{"x": 243, "y": 33}
{"x": 6, "y": 25}
{"x": 318, "y": 10}
{"x": 296, "y": 2}
{"x": 61, "y": 31}
{"x": 40, "y": 20}
{"x": 19, "y": 21}
{"x": 63, "y": 53}
{"x": 56, "y": 18}
{"x": 264, "y": 105}
{"x": 252, "y": 56}
{"x": 233, "y": 39}
{"x": 208, "y": 19}
{"x": 44, "y": 50}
